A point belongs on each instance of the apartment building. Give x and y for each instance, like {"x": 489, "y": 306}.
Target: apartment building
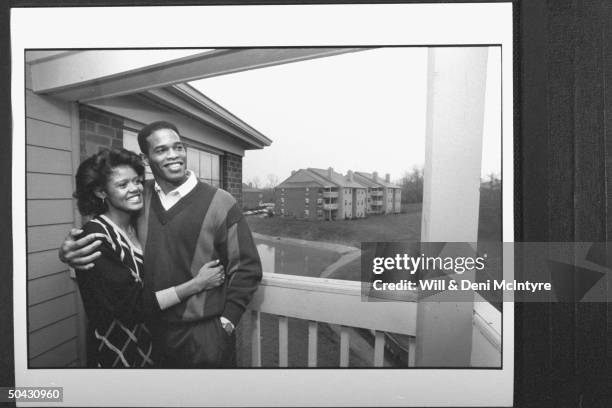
{"x": 384, "y": 197}
{"x": 306, "y": 195}
{"x": 323, "y": 194}
{"x": 352, "y": 196}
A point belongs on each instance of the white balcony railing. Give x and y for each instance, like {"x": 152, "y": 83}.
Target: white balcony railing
{"x": 330, "y": 194}
{"x": 331, "y": 301}
{"x": 330, "y": 206}
{"x": 340, "y": 302}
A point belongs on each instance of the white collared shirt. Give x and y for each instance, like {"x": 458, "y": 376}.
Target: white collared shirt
{"x": 173, "y": 197}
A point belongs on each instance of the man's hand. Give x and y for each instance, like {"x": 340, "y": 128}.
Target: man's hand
{"x": 80, "y": 254}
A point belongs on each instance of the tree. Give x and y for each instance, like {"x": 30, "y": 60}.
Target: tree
{"x": 272, "y": 181}
{"x": 412, "y": 186}
{"x": 255, "y": 182}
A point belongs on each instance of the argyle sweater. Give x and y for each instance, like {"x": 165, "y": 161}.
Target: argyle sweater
{"x": 204, "y": 225}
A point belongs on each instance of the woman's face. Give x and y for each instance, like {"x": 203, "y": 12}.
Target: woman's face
{"x": 124, "y": 189}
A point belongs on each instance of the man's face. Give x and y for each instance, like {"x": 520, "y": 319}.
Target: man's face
{"x": 167, "y": 158}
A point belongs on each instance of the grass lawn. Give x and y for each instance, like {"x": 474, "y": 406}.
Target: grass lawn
{"x": 376, "y": 228}
{"x": 382, "y": 228}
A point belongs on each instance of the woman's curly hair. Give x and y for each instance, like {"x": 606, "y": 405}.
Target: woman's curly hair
{"x": 93, "y": 175}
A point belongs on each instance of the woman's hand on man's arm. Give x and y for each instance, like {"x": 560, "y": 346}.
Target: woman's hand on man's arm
{"x": 80, "y": 253}
{"x": 209, "y": 276}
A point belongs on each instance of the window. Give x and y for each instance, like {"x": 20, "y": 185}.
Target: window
{"x": 307, "y": 200}
{"x": 205, "y": 165}
{"x": 130, "y": 142}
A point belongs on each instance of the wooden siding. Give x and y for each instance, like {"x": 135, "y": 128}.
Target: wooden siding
{"x": 48, "y": 186}
{"x": 47, "y": 134}
{"x": 51, "y": 311}
{"x": 44, "y": 263}
{"x": 49, "y": 287}
{"x": 60, "y": 356}
{"x": 45, "y": 237}
{"x": 52, "y": 303}
{"x": 44, "y": 212}
{"x": 51, "y": 336}
{"x": 49, "y": 161}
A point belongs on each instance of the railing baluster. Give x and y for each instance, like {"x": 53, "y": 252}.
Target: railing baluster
{"x": 256, "y": 339}
{"x": 411, "y": 351}
{"x": 344, "y": 347}
{"x": 379, "y": 349}
{"x": 312, "y": 344}
{"x": 283, "y": 341}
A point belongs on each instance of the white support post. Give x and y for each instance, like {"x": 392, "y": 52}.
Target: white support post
{"x": 453, "y": 155}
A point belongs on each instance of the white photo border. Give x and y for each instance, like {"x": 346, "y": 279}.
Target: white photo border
{"x": 253, "y": 26}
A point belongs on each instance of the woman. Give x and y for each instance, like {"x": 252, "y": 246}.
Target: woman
{"x": 109, "y": 187}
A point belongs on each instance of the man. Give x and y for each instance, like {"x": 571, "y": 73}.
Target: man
{"x": 184, "y": 224}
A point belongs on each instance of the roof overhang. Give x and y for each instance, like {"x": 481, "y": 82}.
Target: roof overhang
{"x": 161, "y": 75}
{"x": 189, "y": 101}
{"x": 86, "y": 76}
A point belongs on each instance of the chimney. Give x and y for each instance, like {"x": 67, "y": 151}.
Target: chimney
{"x": 350, "y": 176}
{"x": 388, "y": 178}
{"x": 293, "y": 172}
{"x": 375, "y": 176}
{"x": 250, "y": 184}
{"x": 330, "y": 171}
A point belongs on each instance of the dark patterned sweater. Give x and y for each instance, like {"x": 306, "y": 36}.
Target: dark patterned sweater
{"x": 204, "y": 225}
{"x": 116, "y": 301}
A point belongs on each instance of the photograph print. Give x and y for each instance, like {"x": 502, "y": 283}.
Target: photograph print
{"x": 210, "y": 208}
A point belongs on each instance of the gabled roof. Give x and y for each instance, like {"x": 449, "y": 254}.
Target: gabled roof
{"x": 305, "y": 178}
{"x": 369, "y": 178}
{"x": 337, "y": 178}
{"x": 190, "y": 101}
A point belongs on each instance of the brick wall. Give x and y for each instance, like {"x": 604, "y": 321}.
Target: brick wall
{"x": 295, "y": 202}
{"x": 98, "y": 129}
{"x": 231, "y": 168}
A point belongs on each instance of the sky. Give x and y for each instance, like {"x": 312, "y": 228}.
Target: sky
{"x": 362, "y": 111}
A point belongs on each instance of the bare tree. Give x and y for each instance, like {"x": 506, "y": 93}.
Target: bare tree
{"x": 255, "y": 182}
{"x": 272, "y": 181}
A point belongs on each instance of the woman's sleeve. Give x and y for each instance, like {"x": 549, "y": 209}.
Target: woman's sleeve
{"x": 110, "y": 286}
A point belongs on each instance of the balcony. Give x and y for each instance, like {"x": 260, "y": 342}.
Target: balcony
{"x": 330, "y": 194}
{"x": 340, "y": 302}
{"x": 377, "y": 202}
{"x": 330, "y": 206}
{"x": 332, "y": 301}
{"x": 376, "y": 193}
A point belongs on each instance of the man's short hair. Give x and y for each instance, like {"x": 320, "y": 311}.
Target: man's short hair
{"x": 146, "y": 131}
